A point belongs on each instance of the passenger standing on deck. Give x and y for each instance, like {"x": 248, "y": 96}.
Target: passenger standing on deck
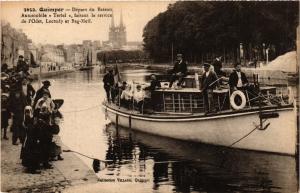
{"x": 126, "y": 97}
{"x": 237, "y": 79}
{"x": 138, "y": 97}
{"x": 41, "y": 91}
{"x": 179, "y": 71}
{"x": 217, "y": 64}
{"x": 154, "y": 84}
{"x": 208, "y": 83}
{"x": 109, "y": 82}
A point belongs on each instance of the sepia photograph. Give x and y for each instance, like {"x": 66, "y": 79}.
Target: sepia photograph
{"x": 150, "y": 96}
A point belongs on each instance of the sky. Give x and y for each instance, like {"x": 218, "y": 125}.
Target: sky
{"x": 135, "y": 17}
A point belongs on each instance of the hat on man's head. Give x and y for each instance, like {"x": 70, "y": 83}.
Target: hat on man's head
{"x": 205, "y": 64}
{"x": 46, "y": 83}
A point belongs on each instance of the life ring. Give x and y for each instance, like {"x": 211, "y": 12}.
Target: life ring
{"x": 242, "y": 96}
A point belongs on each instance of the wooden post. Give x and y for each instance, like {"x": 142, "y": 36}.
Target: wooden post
{"x": 129, "y": 119}
{"x": 164, "y": 102}
{"x": 179, "y": 108}
{"x": 191, "y": 102}
{"x": 117, "y": 121}
{"x": 173, "y": 102}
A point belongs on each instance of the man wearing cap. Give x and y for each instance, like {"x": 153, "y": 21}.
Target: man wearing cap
{"x": 109, "y": 82}
{"x": 208, "y": 83}
{"x": 40, "y": 93}
{"x": 179, "y": 71}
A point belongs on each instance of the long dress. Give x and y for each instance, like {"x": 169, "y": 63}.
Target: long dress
{"x": 31, "y": 149}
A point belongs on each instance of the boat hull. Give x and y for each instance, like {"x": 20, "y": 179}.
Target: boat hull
{"x": 235, "y": 130}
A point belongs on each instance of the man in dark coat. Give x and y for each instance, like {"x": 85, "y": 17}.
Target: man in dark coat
{"x": 5, "y": 114}
{"x": 109, "y": 82}
{"x": 237, "y": 79}
{"x": 208, "y": 83}
{"x": 40, "y": 93}
{"x": 28, "y": 91}
{"x": 17, "y": 103}
{"x": 217, "y": 64}
{"x": 22, "y": 66}
{"x": 154, "y": 84}
{"x": 179, "y": 71}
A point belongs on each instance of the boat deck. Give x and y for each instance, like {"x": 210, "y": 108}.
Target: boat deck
{"x": 154, "y": 114}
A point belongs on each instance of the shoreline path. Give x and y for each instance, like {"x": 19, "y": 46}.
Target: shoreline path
{"x": 68, "y": 173}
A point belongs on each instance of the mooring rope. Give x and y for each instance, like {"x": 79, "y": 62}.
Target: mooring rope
{"x": 80, "y": 110}
{"x": 245, "y": 135}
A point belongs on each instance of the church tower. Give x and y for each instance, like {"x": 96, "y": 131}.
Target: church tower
{"x": 122, "y": 31}
{"x": 117, "y": 34}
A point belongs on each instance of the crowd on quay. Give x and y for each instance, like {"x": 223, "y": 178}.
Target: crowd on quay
{"x": 133, "y": 96}
{"x": 35, "y": 117}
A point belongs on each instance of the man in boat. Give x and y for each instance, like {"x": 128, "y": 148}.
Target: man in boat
{"x": 179, "y": 71}
{"x": 208, "y": 83}
{"x": 154, "y": 84}
{"x": 109, "y": 82}
{"x": 237, "y": 79}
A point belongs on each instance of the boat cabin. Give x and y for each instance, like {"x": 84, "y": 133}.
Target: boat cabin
{"x": 189, "y": 99}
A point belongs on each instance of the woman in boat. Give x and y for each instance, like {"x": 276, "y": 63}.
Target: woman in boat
{"x": 138, "y": 98}
{"x": 126, "y": 97}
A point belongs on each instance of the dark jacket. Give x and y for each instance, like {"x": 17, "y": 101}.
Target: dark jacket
{"x": 22, "y": 66}
{"x": 30, "y": 93}
{"x": 153, "y": 85}
{"x": 39, "y": 94}
{"x": 233, "y": 79}
{"x": 108, "y": 80}
{"x": 180, "y": 66}
{"x": 207, "y": 81}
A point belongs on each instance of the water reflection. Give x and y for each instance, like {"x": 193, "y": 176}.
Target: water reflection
{"x": 199, "y": 167}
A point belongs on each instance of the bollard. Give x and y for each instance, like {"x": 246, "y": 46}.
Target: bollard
{"x": 117, "y": 121}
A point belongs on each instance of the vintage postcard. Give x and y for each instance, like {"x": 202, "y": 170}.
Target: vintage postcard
{"x": 159, "y": 96}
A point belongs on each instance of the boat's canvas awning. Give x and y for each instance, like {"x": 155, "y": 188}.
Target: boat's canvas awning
{"x": 286, "y": 63}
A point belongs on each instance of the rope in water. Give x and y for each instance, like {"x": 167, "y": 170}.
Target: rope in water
{"x": 80, "y": 110}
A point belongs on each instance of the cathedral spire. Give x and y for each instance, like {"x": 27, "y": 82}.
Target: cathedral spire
{"x": 121, "y": 20}
{"x": 112, "y": 24}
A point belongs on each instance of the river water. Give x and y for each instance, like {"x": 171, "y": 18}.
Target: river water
{"x": 147, "y": 163}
